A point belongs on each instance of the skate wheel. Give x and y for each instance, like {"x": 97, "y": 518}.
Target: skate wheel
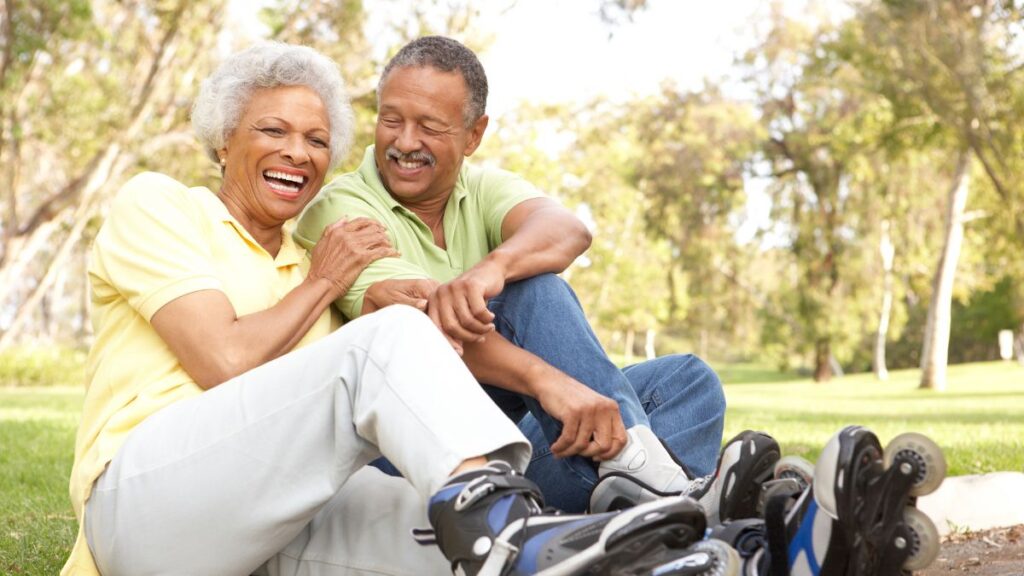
{"x": 927, "y": 454}
{"x": 795, "y": 467}
{"x": 924, "y": 545}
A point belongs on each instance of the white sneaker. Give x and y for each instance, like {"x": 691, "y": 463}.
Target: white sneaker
{"x": 643, "y": 471}
{"x": 646, "y": 470}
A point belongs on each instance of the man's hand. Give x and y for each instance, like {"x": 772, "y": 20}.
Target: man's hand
{"x": 592, "y": 426}
{"x": 459, "y": 307}
{"x": 414, "y": 293}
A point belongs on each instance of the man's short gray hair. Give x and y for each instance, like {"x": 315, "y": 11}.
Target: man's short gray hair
{"x": 223, "y": 97}
{"x": 446, "y": 55}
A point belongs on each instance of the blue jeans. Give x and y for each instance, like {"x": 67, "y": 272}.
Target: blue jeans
{"x": 678, "y": 396}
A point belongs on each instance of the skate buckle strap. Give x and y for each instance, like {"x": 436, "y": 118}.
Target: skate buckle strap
{"x": 474, "y": 490}
{"x": 481, "y": 486}
{"x": 424, "y": 536}
{"x": 775, "y": 526}
{"x": 502, "y": 553}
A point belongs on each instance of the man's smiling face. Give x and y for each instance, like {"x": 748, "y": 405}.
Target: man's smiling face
{"x": 421, "y": 136}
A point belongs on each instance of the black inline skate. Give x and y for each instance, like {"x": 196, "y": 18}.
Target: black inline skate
{"x": 491, "y": 522}
{"x": 858, "y": 517}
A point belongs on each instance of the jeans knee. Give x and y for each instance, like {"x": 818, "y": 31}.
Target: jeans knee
{"x": 698, "y": 382}
{"x": 543, "y": 289}
{"x": 542, "y": 284}
{"x": 711, "y": 389}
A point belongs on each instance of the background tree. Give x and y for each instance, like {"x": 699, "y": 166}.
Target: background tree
{"x": 953, "y": 65}
{"x": 71, "y": 127}
{"x": 694, "y": 153}
{"x": 820, "y": 120}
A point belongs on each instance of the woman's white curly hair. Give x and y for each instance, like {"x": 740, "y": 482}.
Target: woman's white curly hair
{"x": 223, "y": 96}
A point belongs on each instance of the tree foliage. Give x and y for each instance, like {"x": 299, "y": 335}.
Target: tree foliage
{"x": 850, "y": 131}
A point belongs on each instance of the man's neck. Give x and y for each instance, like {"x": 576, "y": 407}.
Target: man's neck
{"x": 431, "y": 213}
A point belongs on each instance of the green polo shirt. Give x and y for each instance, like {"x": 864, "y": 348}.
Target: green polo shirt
{"x": 472, "y": 224}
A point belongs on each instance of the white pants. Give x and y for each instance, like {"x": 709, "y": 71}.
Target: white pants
{"x": 221, "y": 483}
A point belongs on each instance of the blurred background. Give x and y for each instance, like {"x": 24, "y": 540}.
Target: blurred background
{"x": 810, "y": 187}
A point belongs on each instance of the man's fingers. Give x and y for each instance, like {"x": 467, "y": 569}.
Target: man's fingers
{"x": 468, "y": 321}
{"x": 433, "y": 311}
{"x": 400, "y": 297}
{"x": 569, "y": 428}
{"x": 611, "y": 443}
{"x": 477, "y": 303}
{"x": 582, "y": 440}
{"x": 619, "y": 437}
{"x": 450, "y": 321}
{"x": 601, "y": 443}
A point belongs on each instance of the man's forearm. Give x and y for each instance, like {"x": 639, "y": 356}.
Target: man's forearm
{"x": 549, "y": 239}
{"x": 498, "y": 362}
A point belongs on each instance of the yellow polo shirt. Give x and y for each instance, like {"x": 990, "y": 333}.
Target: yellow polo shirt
{"x": 161, "y": 240}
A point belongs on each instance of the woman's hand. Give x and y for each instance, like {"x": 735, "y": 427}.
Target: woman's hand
{"x": 346, "y": 248}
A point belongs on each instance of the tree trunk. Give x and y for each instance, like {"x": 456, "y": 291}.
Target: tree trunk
{"x": 1018, "y": 346}
{"x": 109, "y": 168}
{"x": 24, "y": 252}
{"x": 649, "y": 351}
{"x": 822, "y": 360}
{"x": 53, "y": 272}
{"x": 935, "y": 349}
{"x": 887, "y": 251}
{"x": 84, "y": 328}
{"x": 628, "y": 348}
{"x": 107, "y": 165}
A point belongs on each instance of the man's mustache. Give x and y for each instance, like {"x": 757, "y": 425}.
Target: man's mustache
{"x": 393, "y": 153}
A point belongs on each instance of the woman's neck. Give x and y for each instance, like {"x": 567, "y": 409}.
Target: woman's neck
{"x": 267, "y": 236}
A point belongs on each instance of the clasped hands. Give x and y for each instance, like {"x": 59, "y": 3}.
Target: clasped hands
{"x": 592, "y": 426}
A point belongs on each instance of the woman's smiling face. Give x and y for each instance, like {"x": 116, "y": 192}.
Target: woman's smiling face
{"x": 277, "y": 158}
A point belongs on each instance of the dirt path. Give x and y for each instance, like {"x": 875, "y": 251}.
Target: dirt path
{"x": 998, "y": 552}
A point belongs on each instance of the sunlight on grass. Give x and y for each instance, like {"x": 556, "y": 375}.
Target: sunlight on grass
{"x": 978, "y": 421}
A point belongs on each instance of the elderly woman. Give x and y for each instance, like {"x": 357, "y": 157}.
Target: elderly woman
{"x": 213, "y": 440}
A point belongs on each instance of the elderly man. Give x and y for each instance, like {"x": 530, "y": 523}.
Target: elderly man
{"x": 480, "y": 250}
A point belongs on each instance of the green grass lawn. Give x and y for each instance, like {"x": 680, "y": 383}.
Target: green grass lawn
{"x": 37, "y": 437}
{"x": 979, "y": 422}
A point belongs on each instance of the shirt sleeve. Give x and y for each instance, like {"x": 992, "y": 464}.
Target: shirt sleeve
{"x": 330, "y": 208}
{"x": 500, "y": 192}
{"x": 154, "y": 245}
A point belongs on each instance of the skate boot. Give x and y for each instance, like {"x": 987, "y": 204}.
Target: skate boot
{"x": 490, "y": 522}
{"x": 645, "y": 470}
{"x": 857, "y": 519}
